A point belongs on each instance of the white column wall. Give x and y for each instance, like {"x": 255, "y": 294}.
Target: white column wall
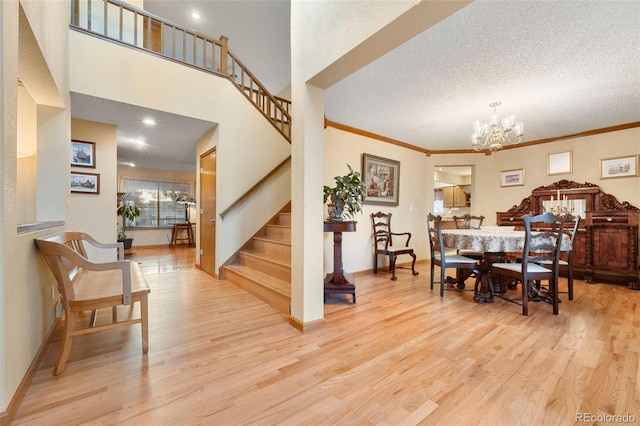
{"x": 26, "y": 302}
{"x": 320, "y": 58}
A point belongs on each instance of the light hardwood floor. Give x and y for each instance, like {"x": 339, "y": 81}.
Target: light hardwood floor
{"x": 401, "y": 356}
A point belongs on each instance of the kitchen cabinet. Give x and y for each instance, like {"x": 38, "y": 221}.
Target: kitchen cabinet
{"x": 454, "y": 196}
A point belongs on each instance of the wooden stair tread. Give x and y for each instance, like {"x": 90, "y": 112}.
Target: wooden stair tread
{"x": 272, "y": 240}
{"x": 266, "y": 280}
{"x": 286, "y": 262}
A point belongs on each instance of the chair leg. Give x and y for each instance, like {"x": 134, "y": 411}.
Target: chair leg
{"x": 413, "y": 264}
{"x": 525, "y": 296}
{"x": 65, "y": 345}
{"x": 554, "y": 294}
{"x": 442, "y": 271}
{"x": 392, "y": 267}
{"x": 570, "y": 283}
{"x": 375, "y": 263}
{"x": 433, "y": 270}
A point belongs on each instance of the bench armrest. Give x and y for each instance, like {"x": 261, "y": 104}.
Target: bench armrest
{"x": 53, "y": 249}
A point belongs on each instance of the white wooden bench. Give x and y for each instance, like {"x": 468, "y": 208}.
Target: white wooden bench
{"x": 90, "y": 286}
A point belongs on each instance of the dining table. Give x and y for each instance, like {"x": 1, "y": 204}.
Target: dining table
{"x": 496, "y": 243}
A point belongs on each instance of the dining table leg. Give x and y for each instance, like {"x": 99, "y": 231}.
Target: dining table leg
{"x": 489, "y": 284}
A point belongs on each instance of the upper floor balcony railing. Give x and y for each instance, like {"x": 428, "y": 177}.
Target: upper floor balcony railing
{"x": 130, "y": 26}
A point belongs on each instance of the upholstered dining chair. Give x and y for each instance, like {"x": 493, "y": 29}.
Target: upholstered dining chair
{"x": 440, "y": 258}
{"x": 383, "y": 240}
{"x": 540, "y": 248}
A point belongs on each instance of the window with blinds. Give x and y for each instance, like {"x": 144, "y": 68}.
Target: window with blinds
{"x": 156, "y": 201}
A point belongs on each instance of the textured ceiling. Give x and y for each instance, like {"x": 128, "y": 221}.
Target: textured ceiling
{"x": 562, "y": 67}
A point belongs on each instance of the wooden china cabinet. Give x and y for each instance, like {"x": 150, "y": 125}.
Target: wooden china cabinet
{"x": 606, "y": 246}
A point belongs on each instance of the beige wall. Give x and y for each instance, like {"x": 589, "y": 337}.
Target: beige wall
{"x": 95, "y": 213}
{"x": 489, "y": 197}
{"x": 416, "y": 182}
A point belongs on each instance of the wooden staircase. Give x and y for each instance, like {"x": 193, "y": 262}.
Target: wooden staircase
{"x": 262, "y": 267}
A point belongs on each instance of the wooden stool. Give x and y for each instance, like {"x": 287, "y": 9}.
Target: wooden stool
{"x": 177, "y": 228}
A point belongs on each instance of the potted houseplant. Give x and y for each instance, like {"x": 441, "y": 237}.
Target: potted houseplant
{"x": 346, "y": 196}
{"x": 130, "y": 212}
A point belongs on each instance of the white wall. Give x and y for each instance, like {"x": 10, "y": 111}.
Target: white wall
{"x": 248, "y": 146}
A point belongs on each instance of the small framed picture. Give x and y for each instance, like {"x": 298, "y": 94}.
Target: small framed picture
{"x": 559, "y": 163}
{"x": 381, "y": 176}
{"x": 83, "y": 154}
{"x": 512, "y": 177}
{"x": 86, "y": 183}
{"x": 619, "y": 167}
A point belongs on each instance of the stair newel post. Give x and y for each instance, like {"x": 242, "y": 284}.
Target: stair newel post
{"x": 224, "y": 53}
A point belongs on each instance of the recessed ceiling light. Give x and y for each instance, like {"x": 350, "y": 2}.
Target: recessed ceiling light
{"x": 149, "y": 122}
{"x": 195, "y": 15}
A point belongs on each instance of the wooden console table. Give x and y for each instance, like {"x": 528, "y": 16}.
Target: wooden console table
{"x": 339, "y": 281}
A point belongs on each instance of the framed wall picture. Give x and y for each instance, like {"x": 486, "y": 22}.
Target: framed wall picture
{"x": 512, "y": 177}
{"x": 86, "y": 183}
{"x": 559, "y": 163}
{"x": 83, "y": 154}
{"x": 619, "y": 167}
{"x": 381, "y": 176}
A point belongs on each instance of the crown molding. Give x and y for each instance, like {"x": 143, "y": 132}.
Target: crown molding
{"x": 427, "y": 152}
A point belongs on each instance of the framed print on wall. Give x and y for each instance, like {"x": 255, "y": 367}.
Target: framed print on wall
{"x": 619, "y": 167}
{"x": 86, "y": 183}
{"x": 559, "y": 163}
{"x": 83, "y": 154}
{"x": 512, "y": 177}
{"x": 381, "y": 176}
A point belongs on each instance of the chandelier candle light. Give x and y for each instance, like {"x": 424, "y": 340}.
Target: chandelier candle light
{"x": 492, "y": 135}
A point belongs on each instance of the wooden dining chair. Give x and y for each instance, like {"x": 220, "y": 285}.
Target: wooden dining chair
{"x": 383, "y": 240}
{"x": 467, "y": 221}
{"x": 440, "y": 258}
{"x": 540, "y": 248}
{"x": 567, "y": 263}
